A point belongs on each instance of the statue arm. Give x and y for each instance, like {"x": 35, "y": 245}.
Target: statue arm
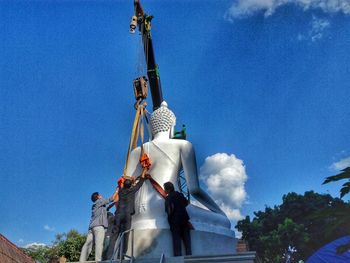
{"x": 189, "y": 164}
{"x": 134, "y": 168}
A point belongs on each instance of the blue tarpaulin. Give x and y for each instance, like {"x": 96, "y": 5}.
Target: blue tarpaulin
{"x": 328, "y": 253}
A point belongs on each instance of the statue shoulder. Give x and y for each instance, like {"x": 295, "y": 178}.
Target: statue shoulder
{"x": 184, "y": 144}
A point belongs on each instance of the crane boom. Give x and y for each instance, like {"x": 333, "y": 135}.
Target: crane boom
{"x": 143, "y": 21}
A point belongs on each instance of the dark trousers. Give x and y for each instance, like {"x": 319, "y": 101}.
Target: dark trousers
{"x": 122, "y": 223}
{"x": 181, "y": 232}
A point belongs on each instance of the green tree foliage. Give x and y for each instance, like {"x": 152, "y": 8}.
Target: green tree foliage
{"x": 340, "y": 213}
{"x": 345, "y": 174}
{"x": 286, "y": 235}
{"x": 39, "y": 253}
{"x": 67, "y": 245}
{"x": 303, "y": 222}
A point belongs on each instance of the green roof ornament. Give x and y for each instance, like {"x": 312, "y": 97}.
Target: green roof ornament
{"x": 180, "y": 134}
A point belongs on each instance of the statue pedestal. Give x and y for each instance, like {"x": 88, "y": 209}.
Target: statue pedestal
{"x": 246, "y": 257}
{"x": 152, "y": 243}
{"x": 152, "y": 237}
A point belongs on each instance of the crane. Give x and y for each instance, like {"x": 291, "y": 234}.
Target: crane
{"x": 143, "y": 21}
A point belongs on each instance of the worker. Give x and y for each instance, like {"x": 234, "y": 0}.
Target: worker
{"x": 125, "y": 209}
{"x": 97, "y": 227}
{"x": 175, "y": 207}
{"x": 108, "y": 233}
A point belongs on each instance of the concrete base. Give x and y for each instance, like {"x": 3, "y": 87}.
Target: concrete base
{"x": 246, "y": 257}
{"x": 152, "y": 243}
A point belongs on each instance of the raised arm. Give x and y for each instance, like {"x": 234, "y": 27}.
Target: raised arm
{"x": 189, "y": 164}
{"x": 112, "y": 198}
{"x": 138, "y": 185}
{"x": 102, "y": 201}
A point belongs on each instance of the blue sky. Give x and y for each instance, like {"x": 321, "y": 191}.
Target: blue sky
{"x": 265, "y": 83}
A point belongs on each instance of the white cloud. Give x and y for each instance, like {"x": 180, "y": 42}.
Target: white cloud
{"x": 34, "y": 245}
{"x": 225, "y": 177}
{"x": 342, "y": 164}
{"x": 20, "y": 240}
{"x": 48, "y": 228}
{"x": 232, "y": 213}
{"x": 317, "y": 30}
{"x": 244, "y": 8}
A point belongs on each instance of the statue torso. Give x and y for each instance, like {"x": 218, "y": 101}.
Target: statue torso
{"x": 165, "y": 157}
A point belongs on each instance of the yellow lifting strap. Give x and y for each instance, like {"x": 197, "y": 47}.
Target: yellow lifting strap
{"x": 136, "y": 130}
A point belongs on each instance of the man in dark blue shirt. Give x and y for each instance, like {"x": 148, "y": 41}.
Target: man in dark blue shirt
{"x": 175, "y": 207}
{"x": 125, "y": 210}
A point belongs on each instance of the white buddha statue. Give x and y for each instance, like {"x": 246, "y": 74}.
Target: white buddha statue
{"x": 212, "y": 233}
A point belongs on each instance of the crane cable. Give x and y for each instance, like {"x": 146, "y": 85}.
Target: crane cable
{"x": 132, "y": 145}
{"x": 138, "y": 125}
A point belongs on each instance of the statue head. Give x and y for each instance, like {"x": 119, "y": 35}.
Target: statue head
{"x": 162, "y": 119}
